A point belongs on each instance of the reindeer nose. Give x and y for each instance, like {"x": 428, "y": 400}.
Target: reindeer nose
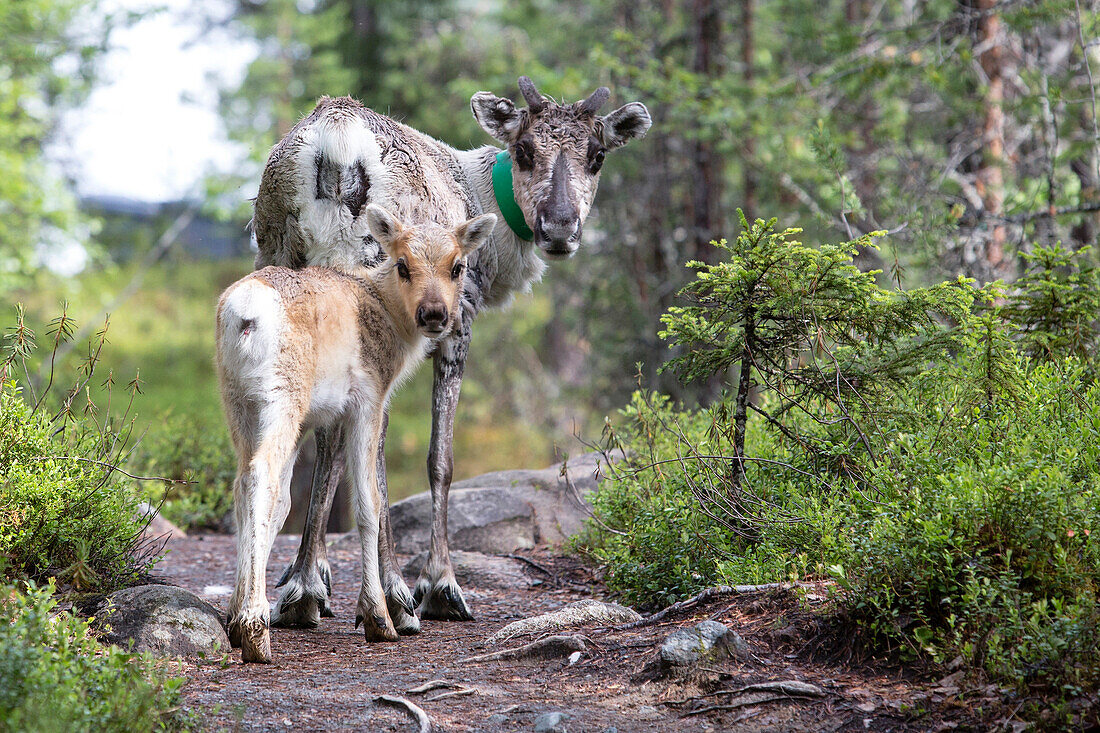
{"x": 431, "y": 316}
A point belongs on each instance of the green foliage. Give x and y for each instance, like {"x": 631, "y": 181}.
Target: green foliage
{"x": 816, "y": 335}
{"x": 970, "y": 534}
{"x": 186, "y": 450}
{"x": 48, "y": 50}
{"x": 983, "y": 546}
{"x": 1055, "y": 305}
{"x": 55, "y": 676}
{"x": 677, "y": 526}
{"x": 65, "y": 511}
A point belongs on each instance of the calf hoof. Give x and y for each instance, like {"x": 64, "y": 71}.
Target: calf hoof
{"x": 377, "y": 627}
{"x": 442, "y": 601}
{"x": 233, "y": 630}
{"x": 255, "y": 643}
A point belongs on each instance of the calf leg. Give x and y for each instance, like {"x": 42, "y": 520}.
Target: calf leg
{"x": 307, "y": 582}
{"x": 262, "y": 498}
{"x": 399, "y": 600}
{"x": 437, "y": 591}
{"x": 363, "y": 439}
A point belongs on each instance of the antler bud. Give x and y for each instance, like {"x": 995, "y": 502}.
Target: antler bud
{"x": 595, "y": 101}
{"x": 535, "y": 102}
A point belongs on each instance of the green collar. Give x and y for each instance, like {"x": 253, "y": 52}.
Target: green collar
{"x": 506, "y": 197}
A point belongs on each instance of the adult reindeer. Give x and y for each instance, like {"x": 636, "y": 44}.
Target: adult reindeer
{"x": 310, "y": 211}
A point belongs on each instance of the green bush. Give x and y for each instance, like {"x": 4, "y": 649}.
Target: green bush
{"x": 184, "y": 449}
{"x": 54, "y": 675}
{"x": 983, "y": 547}
{"x": 949, "y": 479}
{"x": 62, "y": 510}
{"x": 680, "y": 526}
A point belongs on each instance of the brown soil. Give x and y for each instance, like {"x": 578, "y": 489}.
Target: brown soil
{"x": 327, "y": 678}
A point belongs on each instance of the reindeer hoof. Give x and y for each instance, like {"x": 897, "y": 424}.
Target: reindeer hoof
{"x": 303, "y": 602}
{"x": 402, "y": 608}
{"x": 233, "y": 630}
{"x": 255, "y": 643}
{"x": 442, "y": 601}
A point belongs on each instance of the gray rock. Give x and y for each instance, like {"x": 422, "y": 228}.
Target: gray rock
{"x": 162, "y": 619}
{"x": 503, "y": 511}
{"x": 707, "y": 641}
{"x": 551, "y": 723}
{"x": 158, "y": 526}
{"x": 496, "y": 721}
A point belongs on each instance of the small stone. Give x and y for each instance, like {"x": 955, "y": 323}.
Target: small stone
{"x": 647, "y": 712}
{"x": 707, "y": 641}
{"x": 551, "y": 723}
{"x": 497, "y": 721}
{"x": 575, "y": 657}
{"x": 164, "y": 620}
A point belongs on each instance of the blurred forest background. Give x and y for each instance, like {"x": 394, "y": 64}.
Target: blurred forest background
{"x": 966, "y": 129}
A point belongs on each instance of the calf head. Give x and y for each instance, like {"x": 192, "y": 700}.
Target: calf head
{"x": 428, "y": 262}
{"x": 557, "y": 152}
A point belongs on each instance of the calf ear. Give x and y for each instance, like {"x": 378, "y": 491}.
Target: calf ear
{"x": 623, "y": 125}
{"x": 498, "y": 116}
{"x": 475, "y": 232}
{"x": 384, "y": 226}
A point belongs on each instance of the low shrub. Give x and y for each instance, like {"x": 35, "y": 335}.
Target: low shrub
{"x": 185, "y": 450}
{"x": 55, "y": 676}
{"x": 983, "y": 546}
{"x": 63, "y": 512}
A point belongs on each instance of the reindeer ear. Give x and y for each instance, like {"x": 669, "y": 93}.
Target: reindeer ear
{"x": 623, "y": 125}
{"x": 498, "y": 116}
{"x": 475, "y": 232}
{"x": 384, "y": 226}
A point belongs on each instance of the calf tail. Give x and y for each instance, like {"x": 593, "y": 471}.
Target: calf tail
{"x": 251, "y": 319}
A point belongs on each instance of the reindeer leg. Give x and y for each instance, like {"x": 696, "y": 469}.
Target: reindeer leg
{"x": 437, "y": 591}
{"x": 307, "y": 582}
{"x": 399, "y": 600}
{"x": 262, "y": 498}
{"x": 364, "y": 435}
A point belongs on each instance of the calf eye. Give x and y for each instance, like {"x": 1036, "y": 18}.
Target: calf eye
{"x": 456, "y": 271}
{"x": 596, "y": 162}
{"x": 524, "y": 155}
{"x": 402, "y": 270}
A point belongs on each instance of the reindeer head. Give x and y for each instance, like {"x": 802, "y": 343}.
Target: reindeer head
{"x": 428, "y": 262}
{"x": 557, "y": 152}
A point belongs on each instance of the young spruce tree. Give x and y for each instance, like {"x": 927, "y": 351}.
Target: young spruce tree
{"x": 806, "y": 333}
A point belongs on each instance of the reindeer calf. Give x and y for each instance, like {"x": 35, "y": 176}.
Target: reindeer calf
{"x": 324, "y": 348}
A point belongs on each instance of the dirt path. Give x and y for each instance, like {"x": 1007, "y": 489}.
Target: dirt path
{"x": 326, "y": 679}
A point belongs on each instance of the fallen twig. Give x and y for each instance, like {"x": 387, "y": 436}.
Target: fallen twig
{"x": 789, "y": 688}
{"x": 431, "y": 685}
{"x": 551, "y": 646}
{"x": 453, "y": 693}
{"x": 718, "y": 591}
{"x": 737, "y": 705}
{"x": 579, "y": 613}
{"x": 416, "y": 711}
{"x": 535, "y": 565}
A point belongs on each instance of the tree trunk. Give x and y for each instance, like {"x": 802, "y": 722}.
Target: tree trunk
{"x": 989, "y": 41}
{"x": 741, "y": 411}
{"x": 748, "y": 197}
{"x": 707, "y": 173}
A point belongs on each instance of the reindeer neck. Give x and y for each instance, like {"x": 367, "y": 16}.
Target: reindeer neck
{"x": 505, "y": 264}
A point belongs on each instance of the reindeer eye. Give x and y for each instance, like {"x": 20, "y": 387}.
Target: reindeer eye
{"x": 456, "y": 271}
{"x": 402, "y": 270}
{"x": 596, "y": 162}
{"x": 524, "y": 155}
